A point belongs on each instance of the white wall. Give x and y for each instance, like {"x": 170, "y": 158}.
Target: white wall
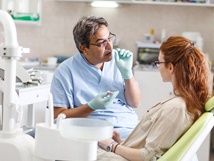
{"x": 130, "y": 22}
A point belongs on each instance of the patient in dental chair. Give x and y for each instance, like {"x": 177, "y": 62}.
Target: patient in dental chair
{"x": 187, "y": 68}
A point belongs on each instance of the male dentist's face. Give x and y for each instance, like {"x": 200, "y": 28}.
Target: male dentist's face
{"x": 100, "y": 48}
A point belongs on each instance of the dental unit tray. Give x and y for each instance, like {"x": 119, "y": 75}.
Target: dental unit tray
{"x": 85, "y": 129}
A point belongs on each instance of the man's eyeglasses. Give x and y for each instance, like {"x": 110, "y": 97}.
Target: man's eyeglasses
{"x": 157, "y": 63}
{"x": 104, "y": 43}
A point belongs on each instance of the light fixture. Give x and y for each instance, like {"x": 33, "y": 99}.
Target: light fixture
{"x": 106, "y": 4}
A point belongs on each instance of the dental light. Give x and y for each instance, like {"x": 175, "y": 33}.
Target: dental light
{"x": 105, "y": 4}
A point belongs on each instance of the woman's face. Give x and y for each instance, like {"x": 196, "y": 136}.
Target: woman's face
{"x": 165, "y": 69}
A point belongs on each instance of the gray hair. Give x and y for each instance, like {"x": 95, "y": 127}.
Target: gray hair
{"x": 85, "y": 28}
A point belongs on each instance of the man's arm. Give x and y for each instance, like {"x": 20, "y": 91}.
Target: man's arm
{"x": 124, "y": 62}
{"x": 132, "y": 92}
{"x": 81, "y": 111}
{"x": 101, "y": 101}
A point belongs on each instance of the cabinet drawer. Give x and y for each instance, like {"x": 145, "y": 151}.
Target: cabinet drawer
{"x": 33, "y": 95}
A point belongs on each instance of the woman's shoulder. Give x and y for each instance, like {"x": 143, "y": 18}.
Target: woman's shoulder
{"x": 174, "y": 105}
{"x": 174, "y": 101}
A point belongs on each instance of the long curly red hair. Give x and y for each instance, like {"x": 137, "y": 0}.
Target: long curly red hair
{"x": 192, "y": 72}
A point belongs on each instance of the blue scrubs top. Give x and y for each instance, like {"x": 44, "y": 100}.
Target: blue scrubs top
{"x": 76, "y": 82}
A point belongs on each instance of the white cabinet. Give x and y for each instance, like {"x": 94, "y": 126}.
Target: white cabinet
{"x": 152, "y": 87}
{"x": 31, "y": 96}
{"x": 24, "y": 11}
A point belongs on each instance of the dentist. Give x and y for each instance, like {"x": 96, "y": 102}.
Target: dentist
{"x": 98, "y": 81}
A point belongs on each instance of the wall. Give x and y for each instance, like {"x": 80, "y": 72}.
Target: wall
{"x": 129, "y": 22}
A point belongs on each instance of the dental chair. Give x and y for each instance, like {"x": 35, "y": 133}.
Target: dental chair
{"x": 186, "y": 147}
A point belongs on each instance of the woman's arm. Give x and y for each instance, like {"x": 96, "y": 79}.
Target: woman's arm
{"x": 127, "y": 153}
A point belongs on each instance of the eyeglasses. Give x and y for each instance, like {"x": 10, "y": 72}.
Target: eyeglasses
{"x": 104, "y": 43}
{"x": 157, "y": 63}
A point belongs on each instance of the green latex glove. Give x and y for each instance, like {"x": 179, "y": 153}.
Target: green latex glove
{"x": 101, "y": 101}
{"x": 124, "y": 62}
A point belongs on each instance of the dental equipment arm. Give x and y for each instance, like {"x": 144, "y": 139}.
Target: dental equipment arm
{"x": 50, "y": 111}
{"x": 12, "y": 140}
{"x": 10, "y": 52}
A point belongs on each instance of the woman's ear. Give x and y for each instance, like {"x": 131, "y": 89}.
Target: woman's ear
{"x": 171, "y": 68}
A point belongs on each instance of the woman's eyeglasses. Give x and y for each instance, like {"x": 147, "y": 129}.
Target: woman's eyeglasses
{"x": 157, "y": 63}
{"x": 104, "y": 43}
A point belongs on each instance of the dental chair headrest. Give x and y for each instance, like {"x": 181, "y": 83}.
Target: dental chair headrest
{"x": 209, "y": 104}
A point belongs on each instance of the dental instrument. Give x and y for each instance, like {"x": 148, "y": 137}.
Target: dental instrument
{"x": 109, "y": 92}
